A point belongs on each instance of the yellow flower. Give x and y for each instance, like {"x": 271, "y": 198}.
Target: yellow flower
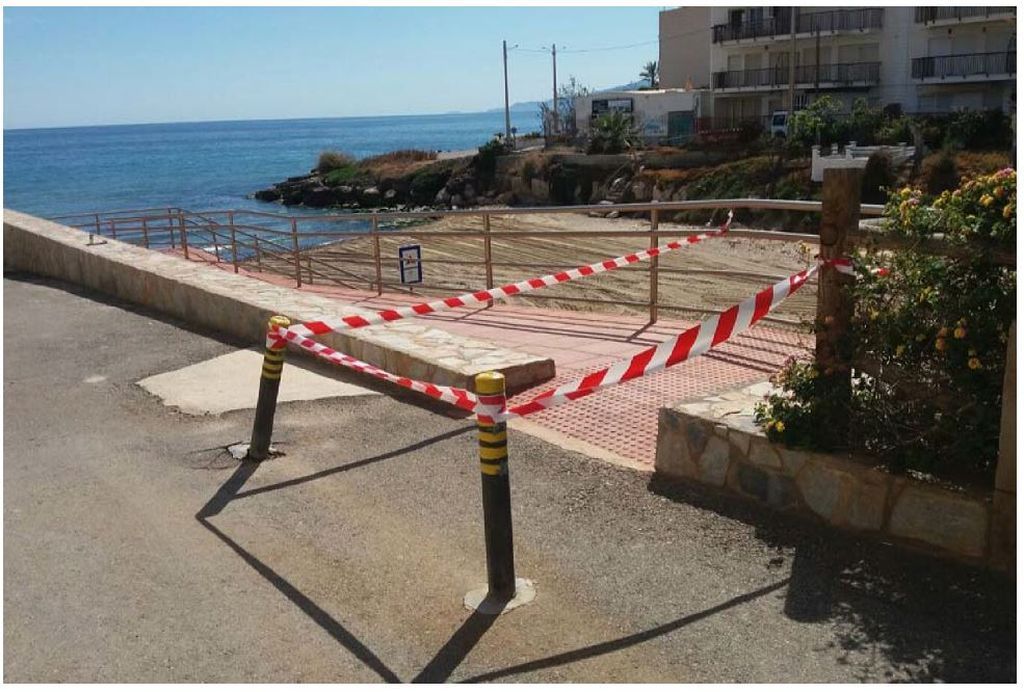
{"x": 959, "y": 333}
{"x": 998, "y": 192}
{"x": 1008, "y": 211}
{"x": 900, "y": 349}
{"x": 779, "y": 426}
{"x": 940, "y": 344}
{"x": 905, "y": 193}
{"x": 987, "y": 200}
{"x": 943, "y": 332}
{"x": 974, "y": 363}
{"x": 874, "y": 315}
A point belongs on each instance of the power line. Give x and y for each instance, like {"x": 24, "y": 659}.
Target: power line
{"x": 692, "y": 32}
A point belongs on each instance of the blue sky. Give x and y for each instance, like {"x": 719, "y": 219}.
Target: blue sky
{"x": 89, "y": 66}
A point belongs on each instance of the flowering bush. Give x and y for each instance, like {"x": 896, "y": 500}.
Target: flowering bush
{"x": 928, "y": 342}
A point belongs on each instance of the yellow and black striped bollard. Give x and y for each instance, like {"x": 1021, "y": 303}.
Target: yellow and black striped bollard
{"x": 266, "y": 401}
{"x": 497, "y": 500}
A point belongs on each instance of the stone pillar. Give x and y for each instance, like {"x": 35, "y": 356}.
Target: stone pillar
{"x": 1004, "y": 500}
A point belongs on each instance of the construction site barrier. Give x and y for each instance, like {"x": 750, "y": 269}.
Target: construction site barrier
{"x": 324, "y": 326}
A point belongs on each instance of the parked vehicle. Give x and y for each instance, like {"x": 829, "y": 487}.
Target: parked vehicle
{"x": 779, "y": 124}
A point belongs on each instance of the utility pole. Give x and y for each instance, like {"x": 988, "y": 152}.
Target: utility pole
{"x": 508, "y": 119}
{"x": 554, "y": 92}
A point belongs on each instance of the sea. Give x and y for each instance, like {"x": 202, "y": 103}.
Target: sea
{"x": 210, "y": 165}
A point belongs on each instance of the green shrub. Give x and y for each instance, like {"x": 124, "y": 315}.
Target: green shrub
{"x": 878, "y": 178}
{"x": 940, "y": 173}
{"x": 613, "y": 133}
{"x": 932, "y": 333}
{"x": 330, "y": 160}
{"x": 816, "y": 124}
{"x": 343, "y": 174}
{"x": 486, "y": 160}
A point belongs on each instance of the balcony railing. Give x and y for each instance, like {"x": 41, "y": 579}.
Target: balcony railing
{"x": 839, "y": 20}
{"x": 806, "y": 75}
{"x": 768, "y": 26}
{"x": 965, "y": 65}
{"x": 936, "y": 14}
{"x": 780, "y": 25}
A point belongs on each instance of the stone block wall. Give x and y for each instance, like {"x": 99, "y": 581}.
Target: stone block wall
{"x": 714, "y": 441}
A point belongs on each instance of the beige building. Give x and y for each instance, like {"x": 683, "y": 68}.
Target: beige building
{"x": 684, "y": 53}
{"x": 926, "y": 59}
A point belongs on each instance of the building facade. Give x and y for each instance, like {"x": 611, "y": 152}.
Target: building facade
{"x": 925, "y": 59}
{"x": 684, "y": 48}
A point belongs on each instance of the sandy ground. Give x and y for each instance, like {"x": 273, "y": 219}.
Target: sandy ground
{"x": 454, "y": 264}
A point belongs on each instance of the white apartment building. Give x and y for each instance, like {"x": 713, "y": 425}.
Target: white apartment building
{"x": 926, "y": 59}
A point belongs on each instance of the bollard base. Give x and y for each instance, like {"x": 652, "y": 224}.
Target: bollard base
{"x": 478, "y": 601}
{"x": 240, "y": 451}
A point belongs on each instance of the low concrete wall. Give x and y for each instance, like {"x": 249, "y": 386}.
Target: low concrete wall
{"x": 241, "y": 306}
{"x": 714, "y": 441}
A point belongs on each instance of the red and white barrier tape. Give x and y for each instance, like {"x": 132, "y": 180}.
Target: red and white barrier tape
{"x": 693, "y": 342}
{"x": 481, "y": 297}
{"x": 844, "y": 265}
{"x": 453, "y": 395}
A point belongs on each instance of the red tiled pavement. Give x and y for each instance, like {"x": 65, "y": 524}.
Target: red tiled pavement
{"x": 622, "y": 419}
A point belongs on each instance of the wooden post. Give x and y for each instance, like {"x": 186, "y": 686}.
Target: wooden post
{"x": 184, "y": 234}
{"x": 376, "y": 253}
{"x": 840, "y": 216}
{"x": 652, "y": 270}
{"x": 234, "y": 242}
{"x": 1004, "y": 500}
{"x": 488, "y": 266}
{"x": 295, "y": 253}
{"x": 309, "y": 269}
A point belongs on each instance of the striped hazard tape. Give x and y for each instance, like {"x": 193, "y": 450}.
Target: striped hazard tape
{"x": 688, "y": 344}
{"x": 338, "y": 324}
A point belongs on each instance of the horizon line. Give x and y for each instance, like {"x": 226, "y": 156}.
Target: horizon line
{"x": 264, "y": 119}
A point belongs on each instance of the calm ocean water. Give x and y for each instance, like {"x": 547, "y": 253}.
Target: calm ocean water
{"x": 214, "y": 165}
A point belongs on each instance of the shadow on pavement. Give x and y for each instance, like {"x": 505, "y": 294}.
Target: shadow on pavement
{"x": 890, "y": 610}
{"x": 624, "y": 642}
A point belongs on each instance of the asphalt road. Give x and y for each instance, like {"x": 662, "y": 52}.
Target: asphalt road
{"x": 136, "y": 550}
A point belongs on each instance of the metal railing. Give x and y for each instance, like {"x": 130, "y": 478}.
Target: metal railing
{"x": 860, "y": 19}
{"x": 935, "y": 14}
{"x": 756, "y": 28}
{"x": 964, "y": 65}
{"x": 332, "y": 250}
{"x": 781, "y": 25}
{"x": 806, "y": 75}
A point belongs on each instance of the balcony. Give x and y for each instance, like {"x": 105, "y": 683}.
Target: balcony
{"x": 758, "y": 28}
{"x": 965, "y": 67}
{"x": 830, "y": 21}
{"x": 806, "y": 76}
{"x": 959, "y": 14}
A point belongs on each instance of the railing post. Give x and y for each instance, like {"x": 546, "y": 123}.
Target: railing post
{"x": 503, "y": 591}
{"x": 259, "y": 260}
{"x": 840, "y": 216}
{"x": 113, "y": 229}
{"x": 375, "y": 230}
{"x": 488, "y": 266}
{"x": 266, "y": 400}
{"x": 295, "y": 253}
{"x": 234, "y": 242}
{"x": 309, "y": 269}
{"x": 184, "y": 233}
{"x": 145, "y": 233}
{"x": 98, "y": 225}
{"x": 652, "y": 270}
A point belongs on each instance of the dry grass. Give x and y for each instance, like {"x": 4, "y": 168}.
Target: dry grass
{"x": 397, "y": 163}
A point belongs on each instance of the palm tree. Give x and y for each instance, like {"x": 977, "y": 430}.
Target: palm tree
{"x": 650, "y": 73}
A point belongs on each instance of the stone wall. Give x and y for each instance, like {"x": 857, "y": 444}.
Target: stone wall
{"x": 714, "y": 441}
{"x": 240, "y": 306}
